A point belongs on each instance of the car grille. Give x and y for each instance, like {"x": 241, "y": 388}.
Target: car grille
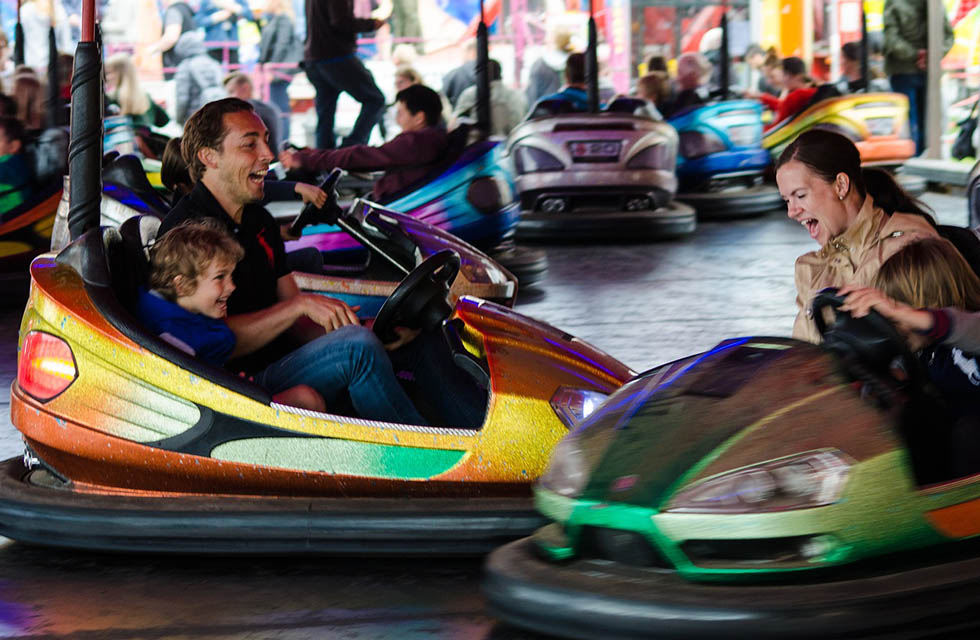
{"x": 619, "y": 545}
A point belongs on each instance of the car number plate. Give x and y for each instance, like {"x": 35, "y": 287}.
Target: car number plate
{"x": 584, "y": 150}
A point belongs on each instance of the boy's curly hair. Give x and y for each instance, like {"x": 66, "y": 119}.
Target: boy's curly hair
{"x": 187, "y": 250}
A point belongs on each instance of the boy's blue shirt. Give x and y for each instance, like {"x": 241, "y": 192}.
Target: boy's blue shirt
{"x": 209, "y": 339}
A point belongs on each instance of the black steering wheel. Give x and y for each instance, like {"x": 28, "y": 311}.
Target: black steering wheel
{"x": 420, "y": 301}
{"x": 328, "y": 213}
{"x": 872, "y": 339}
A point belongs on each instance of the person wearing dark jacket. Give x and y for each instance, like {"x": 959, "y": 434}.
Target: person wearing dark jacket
{"x": 279, "y": 45}
{"x": 408, "y": 157}
{"x": 332, "y": 68}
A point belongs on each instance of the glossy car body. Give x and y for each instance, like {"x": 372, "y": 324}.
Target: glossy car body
{"x": 721, "y": 162}
{"x": 603, "y": 175}
{"x": 25, "y": 232}
{"x": 152, "y": 449}
{"x": 688, "y": 493}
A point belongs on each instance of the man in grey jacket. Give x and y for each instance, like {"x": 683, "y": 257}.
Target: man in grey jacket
{"x": 906, "y": 25}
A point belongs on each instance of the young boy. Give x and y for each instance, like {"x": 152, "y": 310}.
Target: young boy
{"x": 16, "y": 171}
{"x": 190, "y": 280}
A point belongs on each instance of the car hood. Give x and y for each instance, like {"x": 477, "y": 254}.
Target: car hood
{"x": 746, "y": 401}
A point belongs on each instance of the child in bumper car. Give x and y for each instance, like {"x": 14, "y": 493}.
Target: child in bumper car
{"x": 932, "y": 295}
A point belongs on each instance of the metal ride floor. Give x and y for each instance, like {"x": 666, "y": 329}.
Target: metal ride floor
{"x": 642, "y": 303}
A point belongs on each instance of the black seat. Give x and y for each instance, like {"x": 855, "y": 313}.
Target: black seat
{"x": 965, "y": 241}
{"x": 973, "y": 196}
{"x": 127, "y": 171}
{"x": 547, "y": 107}
{"x": 824, "y": 92}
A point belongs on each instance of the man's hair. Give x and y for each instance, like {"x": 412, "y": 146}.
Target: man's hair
{"x": 13, "y": 129}
{"x": 205, "y": 129}
{"x": 493, "y": 70}
{"x": 188, "y": 250}
{"x": 851, "y": 51}
{"x": 575, "y": 68}
{"x": 173, "y": 169}
{"x": 235, "y": 79}
{"x": 419, "y": 97}
{"x": 794, "y": 66}
{"x": 930, "y": 273}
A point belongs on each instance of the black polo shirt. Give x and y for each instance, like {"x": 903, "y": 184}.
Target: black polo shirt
{"x": 264, "y": 263}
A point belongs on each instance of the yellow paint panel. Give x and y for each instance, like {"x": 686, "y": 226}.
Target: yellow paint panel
{"x": 13, "y": 248}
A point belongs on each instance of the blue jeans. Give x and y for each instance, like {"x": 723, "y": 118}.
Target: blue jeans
{"x": 330, "y": 78}
{"x": 278, "y": 94}
{"x": 350, "y": 358}
{"x": 913, "y": 85}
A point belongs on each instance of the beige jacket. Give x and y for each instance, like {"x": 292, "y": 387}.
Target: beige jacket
{"x": 853, "y": 257}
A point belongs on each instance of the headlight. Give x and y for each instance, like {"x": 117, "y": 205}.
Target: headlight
{"x": 658, "y": 156}
{"x": 575, "y": 405}
{"x": 694, "y": 144}
{"x": 811, "y": 479}
{"x": 530, "y": 159}
{"x": 566, "y": 473}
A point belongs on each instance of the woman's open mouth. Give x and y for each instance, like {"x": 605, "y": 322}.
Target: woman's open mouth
{"x": 812, "y": 226}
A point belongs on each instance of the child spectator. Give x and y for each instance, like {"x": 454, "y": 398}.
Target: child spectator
{"x": 190, "y": 280}
{"x": 408, "y": 157}
{"x": 27, "y": 94}
{"x": 932, "y": 295}
{"x": 124, "y": 89}
{"x": 16, "y": 170}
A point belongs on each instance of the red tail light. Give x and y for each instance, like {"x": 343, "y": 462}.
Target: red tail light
{"x": 46, "y": 365}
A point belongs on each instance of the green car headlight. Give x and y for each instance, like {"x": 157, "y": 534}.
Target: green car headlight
{"x": 811, "y": 479}
{"x": 567, "y": 470}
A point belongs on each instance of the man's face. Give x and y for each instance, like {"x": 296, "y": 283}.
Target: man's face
{"x": 243, "y": 160}
{"x": 407, "y": 120}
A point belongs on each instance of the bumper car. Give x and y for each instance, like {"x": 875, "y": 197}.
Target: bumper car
{"x": 469, "y": 195}
{"x": 392, "y": 243}
{"x": 877, "y": 123}
{"x": 721, "y": 163}
{"x": 973, "y": 196}
{"x": 133, "y": 445}
{"x": 606, "y": 175}
{"x": 766, "y": 488}
{"x": 25, "y": 227}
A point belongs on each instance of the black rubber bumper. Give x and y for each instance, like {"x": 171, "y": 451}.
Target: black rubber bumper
{"x": 671, "y": 221}
{"x": 592, "y": 599}
{"x": 54, "y": 515}
{"x": 734, "y": 203}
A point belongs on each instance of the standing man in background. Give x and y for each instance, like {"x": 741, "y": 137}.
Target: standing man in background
{"x": 906, "y": 27}
{"x": 332, "y": 68}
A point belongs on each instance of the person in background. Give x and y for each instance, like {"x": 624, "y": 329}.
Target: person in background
{"x": 178, "y": 19}
{"x": 28, "y": 92}
{"x": 852, "y": 81}
{"x": 820, "y": 177}
{"x": 407, "y": 158}
{"x": 37, "y": 18}
{"x": 690, "y": 85}
{"x": 333, "y": 67}
{"x": 575, "y": 89}
{"x": 280, "y": 44}
{"x": 772, "y": 74}
{"x": 16, "y": 170}
{"x": 219, "y": 19}
{"x": 906, "y": 25}
{"x": 546, "y": 72}
{"x": 507, "y": 106}
{"x": 463, "y": 76}
{"x": 123, "y": 89}
{"x": 654, "y": 87}
{"x": 799, "y": 90}
{"x": 198, "y": 77}
{"x": 6, "y": 63}
{"x": 187, "y": 302}
{"x": 239, "y": 85}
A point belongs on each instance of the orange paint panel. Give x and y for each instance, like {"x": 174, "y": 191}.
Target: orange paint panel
{"x": 957, "y": 521}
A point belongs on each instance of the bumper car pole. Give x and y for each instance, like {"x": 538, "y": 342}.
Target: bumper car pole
{"x": 54, "y": 80}
{"x": 592, "y": 63}
{"x": 865, "y": 50}
{"x": 18, "y": 39}
{"x": 723, "y": 60}
{"x": 482, "y": 76}
{"x": 85, "y": 147}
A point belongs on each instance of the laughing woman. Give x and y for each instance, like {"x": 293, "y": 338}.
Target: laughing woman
{"x": 820, "y": 178}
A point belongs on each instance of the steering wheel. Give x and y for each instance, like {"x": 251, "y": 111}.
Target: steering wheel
{"x": 328, "y": 213}
{"x": 872, "y": 339}
{"x": 420, "y": 301}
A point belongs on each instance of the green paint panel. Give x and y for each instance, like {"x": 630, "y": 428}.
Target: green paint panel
{"x": 344, "y": 457}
